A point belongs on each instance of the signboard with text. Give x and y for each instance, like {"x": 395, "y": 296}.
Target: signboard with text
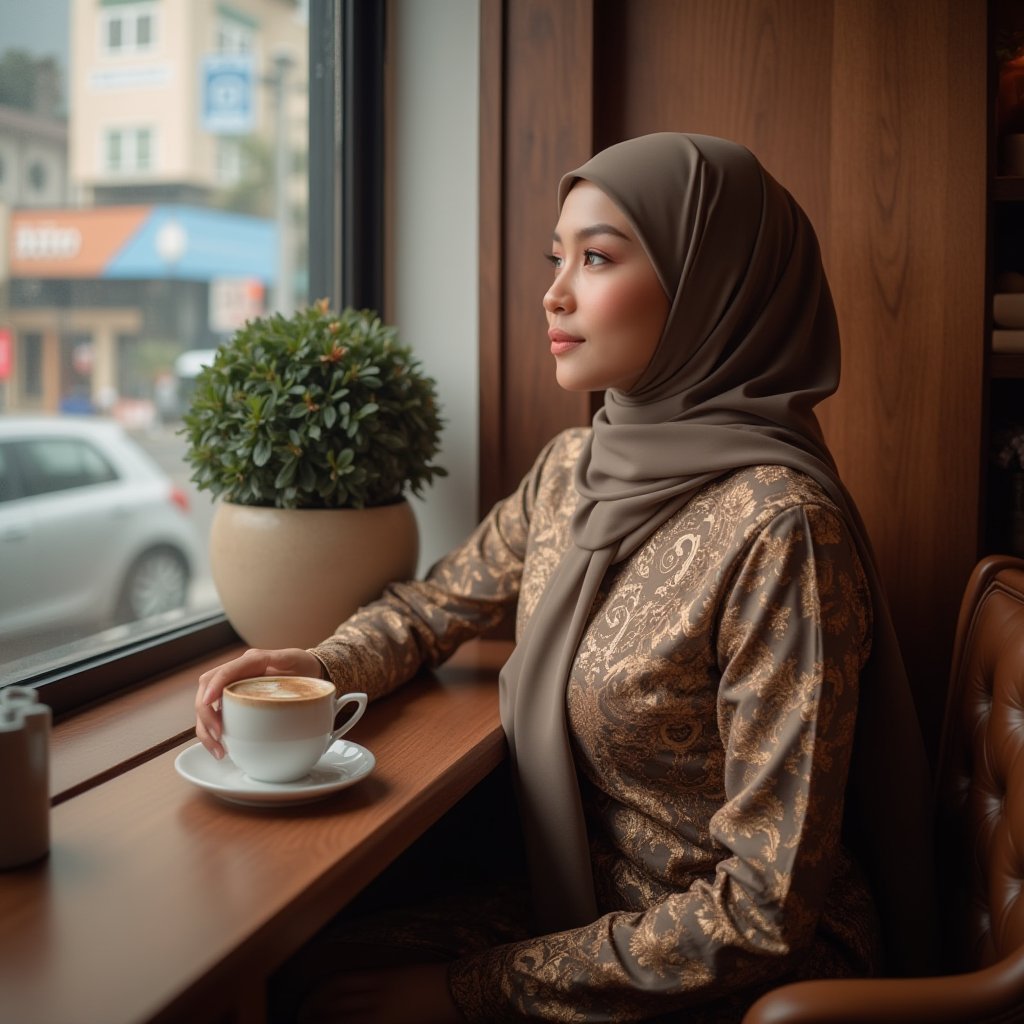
{"x": 233, "y": 301}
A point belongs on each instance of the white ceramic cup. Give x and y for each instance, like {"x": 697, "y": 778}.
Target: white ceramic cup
{"x": 276, "y": 728}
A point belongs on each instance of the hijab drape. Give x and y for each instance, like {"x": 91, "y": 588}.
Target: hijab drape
{"x": 750, "y": 346}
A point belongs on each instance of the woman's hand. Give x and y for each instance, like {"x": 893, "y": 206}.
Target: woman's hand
{"x": 292, "y": 661}
{"x": 415, "y": 994}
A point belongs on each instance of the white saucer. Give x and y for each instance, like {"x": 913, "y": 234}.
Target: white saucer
{"x": 344, "y": 763}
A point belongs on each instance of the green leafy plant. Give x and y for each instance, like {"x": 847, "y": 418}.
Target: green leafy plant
{"x": 314, "y": 410}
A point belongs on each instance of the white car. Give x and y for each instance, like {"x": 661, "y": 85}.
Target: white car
{"x": 92, "y": 531}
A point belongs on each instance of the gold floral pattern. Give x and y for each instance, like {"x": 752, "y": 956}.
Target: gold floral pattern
{"x": 711, "y": 706}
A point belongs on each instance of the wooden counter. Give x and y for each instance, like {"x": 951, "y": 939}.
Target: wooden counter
{"x": 159, "y": 902}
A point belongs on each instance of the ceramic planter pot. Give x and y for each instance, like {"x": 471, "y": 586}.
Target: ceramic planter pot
{"x": 288, "y": 577}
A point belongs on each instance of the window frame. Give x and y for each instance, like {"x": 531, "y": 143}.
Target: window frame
{"x": 128, "y": 17}
{"x": 346, "y": 59}
{"x": 128, "y": 138}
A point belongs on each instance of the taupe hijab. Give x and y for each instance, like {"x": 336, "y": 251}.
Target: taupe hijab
{"x": 749, "y": 347}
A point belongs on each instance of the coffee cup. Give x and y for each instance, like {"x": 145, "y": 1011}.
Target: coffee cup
{"x": 276, "y": 728}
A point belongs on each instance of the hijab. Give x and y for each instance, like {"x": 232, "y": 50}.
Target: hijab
{"x": 750, "y": 346}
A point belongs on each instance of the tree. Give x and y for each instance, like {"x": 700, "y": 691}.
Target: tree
{"x": 30, "y": 83}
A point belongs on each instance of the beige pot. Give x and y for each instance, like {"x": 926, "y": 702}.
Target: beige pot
{"x": 288, "y": 577}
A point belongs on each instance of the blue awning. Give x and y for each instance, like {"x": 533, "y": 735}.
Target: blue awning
{"x": 197, "y": 244}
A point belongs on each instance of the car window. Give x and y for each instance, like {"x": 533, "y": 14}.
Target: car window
{"x": 10, "y": 483}
{"x": 60, "y": 464}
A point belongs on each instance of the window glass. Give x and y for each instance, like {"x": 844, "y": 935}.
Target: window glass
{"x": 10, "y": 488}
{"x": 127, "y": 27}
{"x": 155, "y": 132}
{"x": 37, "y": 176}
{"x": 59, "y": 464}
{"x": 115, "y": 33}
{"x": 144, "y": 30}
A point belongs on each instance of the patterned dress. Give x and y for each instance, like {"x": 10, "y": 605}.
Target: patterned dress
{"x": 711, "y": 707}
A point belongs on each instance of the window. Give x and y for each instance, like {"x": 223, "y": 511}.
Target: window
{"x": 31, "y": 362}
{"x": 229, "y": 161}
{"x": 146, "y": 310}
{"x": 144, "y": 31}
{"x": 143, "y": 149}
{"x": 128, "y": 28}
{"x": 128, "y": 150}
{"x": 37, "y": 176}
{"x": 234, "y": 37}
{"x": 8, "y": 490}
{"x": 100, "y": 325}
{"x": 58, "y": 464}
{"x": 114, "y": 150}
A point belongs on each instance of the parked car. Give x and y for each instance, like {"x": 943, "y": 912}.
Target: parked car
{"x": 92, "y": 531}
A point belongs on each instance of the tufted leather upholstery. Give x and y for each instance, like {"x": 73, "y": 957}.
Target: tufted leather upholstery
{"x": 979, "y": 836}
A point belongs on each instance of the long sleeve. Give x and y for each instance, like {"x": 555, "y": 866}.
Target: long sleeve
{"x": 716, "y": 882}
{"x": 422, "y": 622}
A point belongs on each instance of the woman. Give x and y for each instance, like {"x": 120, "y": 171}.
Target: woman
{"x": 699, "y": 627}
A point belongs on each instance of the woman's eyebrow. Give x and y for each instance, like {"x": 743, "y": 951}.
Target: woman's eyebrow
{"x": 592, "y": 230}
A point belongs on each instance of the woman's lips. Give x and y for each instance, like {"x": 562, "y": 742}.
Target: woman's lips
{"x": 562, "y": 342}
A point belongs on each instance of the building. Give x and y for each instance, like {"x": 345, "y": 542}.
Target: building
{"x": 33, "y": 159}
{"x": 182, "y": 224}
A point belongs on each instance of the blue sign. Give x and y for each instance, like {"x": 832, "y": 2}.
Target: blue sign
{"x": 228, "y": 95}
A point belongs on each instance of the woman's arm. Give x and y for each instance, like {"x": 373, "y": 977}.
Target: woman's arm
{"x": 422, "y": 622}
{"x": 414, "y": 623}
{"x": 791, "y": 641}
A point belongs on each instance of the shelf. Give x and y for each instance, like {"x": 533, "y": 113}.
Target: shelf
{"x": 1007, "y": 190}
{"x": 1007, "y": 365}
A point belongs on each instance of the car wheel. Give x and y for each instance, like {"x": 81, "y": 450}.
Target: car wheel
{"x": 157, "y": 582}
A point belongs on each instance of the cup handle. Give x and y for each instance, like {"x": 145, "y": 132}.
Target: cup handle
{"x": 359, "y": 699}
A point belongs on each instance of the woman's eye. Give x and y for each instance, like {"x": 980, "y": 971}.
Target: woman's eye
{"x": 555, "y": 261}
{"x": 592, "y": 258}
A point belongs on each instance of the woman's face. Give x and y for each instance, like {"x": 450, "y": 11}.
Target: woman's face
{"x": 606, "y": 308}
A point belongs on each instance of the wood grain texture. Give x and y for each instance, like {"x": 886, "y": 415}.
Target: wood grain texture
{"x": 109, "y": 738}
{"x": 754, "y": 71}
{"x": 159, "y": 902}
{"x": 546, "y": 89}
{"x": 491, "y": 251}
{"x": 907, "y": 263}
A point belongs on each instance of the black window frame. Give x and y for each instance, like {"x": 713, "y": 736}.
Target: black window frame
{"x": 346, "y": 191}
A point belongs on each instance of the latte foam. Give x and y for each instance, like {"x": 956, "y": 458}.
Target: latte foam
{"x": 283, "y": 688}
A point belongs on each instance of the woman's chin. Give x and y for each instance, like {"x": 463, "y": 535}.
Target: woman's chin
{"x": 570, "y": 379}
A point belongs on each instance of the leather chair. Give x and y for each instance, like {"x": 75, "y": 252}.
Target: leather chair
{"x": 979, "y": 836}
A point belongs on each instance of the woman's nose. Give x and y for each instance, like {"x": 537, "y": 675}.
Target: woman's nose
{"x": 558, "y": 298}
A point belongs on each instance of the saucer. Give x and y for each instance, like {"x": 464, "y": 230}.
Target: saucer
{"x": 344, "y": 763}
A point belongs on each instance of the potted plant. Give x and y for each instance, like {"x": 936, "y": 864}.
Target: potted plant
{"x": 311, "y": 429}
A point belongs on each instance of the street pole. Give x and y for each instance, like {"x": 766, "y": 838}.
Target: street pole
{"x": 283, "y": 298}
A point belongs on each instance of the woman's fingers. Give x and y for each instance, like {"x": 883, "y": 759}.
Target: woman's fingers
{"x": 254, "y": 662}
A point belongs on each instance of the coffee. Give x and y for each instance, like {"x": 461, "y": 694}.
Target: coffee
{"x": 276, "y": 728}
{"x": 280, "y": 688}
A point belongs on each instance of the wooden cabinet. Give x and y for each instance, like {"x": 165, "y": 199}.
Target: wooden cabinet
{"x": 874, "y": 114}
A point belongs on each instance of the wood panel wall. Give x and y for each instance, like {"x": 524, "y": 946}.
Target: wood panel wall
{"x": 536, "y": 124}
{"x": 873, "y": 113}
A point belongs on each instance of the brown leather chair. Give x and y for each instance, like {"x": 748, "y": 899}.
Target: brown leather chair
{"x": 979, "y": 836}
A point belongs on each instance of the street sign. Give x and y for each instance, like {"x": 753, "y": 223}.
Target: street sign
{"x": 228, "y": 95}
